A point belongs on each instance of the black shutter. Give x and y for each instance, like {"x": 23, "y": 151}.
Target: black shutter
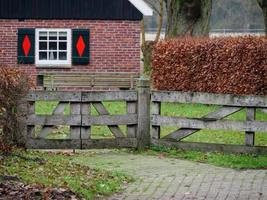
{"x": 80, "y": 46}
{"x": 26, "y": 46}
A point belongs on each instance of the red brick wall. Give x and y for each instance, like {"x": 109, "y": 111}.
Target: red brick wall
{"x": 114, "y": 45}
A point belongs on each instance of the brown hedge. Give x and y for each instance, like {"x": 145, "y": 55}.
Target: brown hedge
{"x": 14, "y": 85}
{"x": 220, "y": 65}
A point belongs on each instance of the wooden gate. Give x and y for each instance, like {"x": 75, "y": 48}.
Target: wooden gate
{"x": 80, "y": 120}
{"x": 229, "y": 104}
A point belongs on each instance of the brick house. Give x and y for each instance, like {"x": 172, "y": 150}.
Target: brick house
{"x": 72, "y": 40}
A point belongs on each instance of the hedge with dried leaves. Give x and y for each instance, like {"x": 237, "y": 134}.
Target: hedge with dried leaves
{"x": 219, "y": 65}
{"x": 14, "y": 85}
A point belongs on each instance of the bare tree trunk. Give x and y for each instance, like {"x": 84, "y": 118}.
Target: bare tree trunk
{"x": 188, "y": 17}
{"x": 263, "y": 5}
{"x": 265, "y": 20}
{"x": 143, "y": 33}
{"x": 160, "y": 20}
{"x": 147, "y": 46}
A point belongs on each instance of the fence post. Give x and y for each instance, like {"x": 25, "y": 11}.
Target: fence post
{"x": 143, "y": 130}
{"x": 155, "y": 110}
{"x": 250, "y": 136}
{"x": 22, "y": 133}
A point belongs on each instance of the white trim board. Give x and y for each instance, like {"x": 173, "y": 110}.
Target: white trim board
{"x": 142, "y": 7}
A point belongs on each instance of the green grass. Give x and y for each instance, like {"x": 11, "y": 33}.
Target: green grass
{"x": 167, "y": 109}
{"x": 97, "y": 132}
{"x": 235, "y": 161}
{"x": 59, "y": 170}
{"x": 211, "y": 136}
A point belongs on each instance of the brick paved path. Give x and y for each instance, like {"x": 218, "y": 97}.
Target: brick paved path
{"x": 169, "y": 179}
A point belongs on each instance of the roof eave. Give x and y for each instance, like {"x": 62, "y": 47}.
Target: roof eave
{"x": 142, "y": 7}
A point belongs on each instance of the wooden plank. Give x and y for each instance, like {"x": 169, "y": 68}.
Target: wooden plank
{"x": 75, "y": 131}
{"x": 155, "y": 110}
{"x": 85, "y": 130}
{"x": 54, "y": 120}
{"x": 84, "y": 79}
{"x": 250, "y": 135}
{"x": 48, "y": 74}
{"x": 115, "y": 129}
{"x": 99, "y": 80}
{"x": 30, "y": 111}
{"x": 109, "y": 120}
{"x": 59, "y": 110}
{"x": 54, "y": 96}
{"x": 131, "y": 109}
{"x": 208, "y": 98}
{"x": 210, "y": 147}
{"x": 109, "y": 143}
{"x": 102, "y": 85}
{"x": 109, "y": 96}
{"x": 143, "y": 131}
{"x": 99, "y": 74}
{"x": 41, "y": 143}
{"x": 217, "y": 115}
{"x": 257, "y": 126}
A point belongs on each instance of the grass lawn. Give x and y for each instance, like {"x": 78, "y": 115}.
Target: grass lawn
{"x": 235, "y": 161}
{"x": 57, "y": 170}
{"x": 167, "y": 109}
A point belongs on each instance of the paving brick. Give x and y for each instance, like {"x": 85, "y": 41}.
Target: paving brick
{"x": 170, "y": 179}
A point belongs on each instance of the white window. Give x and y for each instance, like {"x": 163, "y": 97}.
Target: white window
{"x": 53, "y": 47}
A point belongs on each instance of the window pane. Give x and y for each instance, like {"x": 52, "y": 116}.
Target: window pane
{"x": 62, "y": 55}
{"x": 62, "y": 36}
{"x": 52, "y": 45}
{"x": 63, "y": 46}
{"x": 43, "y": 35}
{"x": 52, "y": 55}
{"x": 42, "y": 55}
{"x": 52, "y": 35}
{"x": 43, "y": 45}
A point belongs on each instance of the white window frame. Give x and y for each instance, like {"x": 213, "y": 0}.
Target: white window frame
{"x": 53, "y": 63}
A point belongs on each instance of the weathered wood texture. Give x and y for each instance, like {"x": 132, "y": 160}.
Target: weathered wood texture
{"x": 251, "y": 126}
{"x": 131, "y": 109}
{"x": 210, "y": 147}
{"x": 31, "y": 111}
{"x": 250, "y": 135}
{"x": 54, "y": 96}
{"x": 46, "y": 129}
{"x": 207, "y": 98}
{"x": 89, "y": 80}
{"x": 139, "y": 118}
{"x": 143, "y": 132}
{"x": 114, "y": 128}
{"x": 41, "y": 143}
{"x": 85, "y": 130}
{"x": 109, "y": 143}
{"x": 109, "y": 96}
{"x": 155, "y": 110}
{"x": 80, "y": 119}
{"x": 212, "y": 121}
{"x": 112, "y": 121}
{"x": 75, "y": 131}
{"x": 216, "y": 115}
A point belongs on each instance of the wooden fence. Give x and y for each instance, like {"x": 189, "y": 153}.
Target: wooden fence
{"x": 143, "y": 125}
{"x": 230, "y": 104}
{"x": 80, "y": 120}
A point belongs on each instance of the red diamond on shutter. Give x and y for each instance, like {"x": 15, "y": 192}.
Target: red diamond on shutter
{"x": 26, "y": 45}
{"x": 80, "y": 46}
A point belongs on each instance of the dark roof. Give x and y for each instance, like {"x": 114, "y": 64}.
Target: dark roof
{"x": 69, "y": 9}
